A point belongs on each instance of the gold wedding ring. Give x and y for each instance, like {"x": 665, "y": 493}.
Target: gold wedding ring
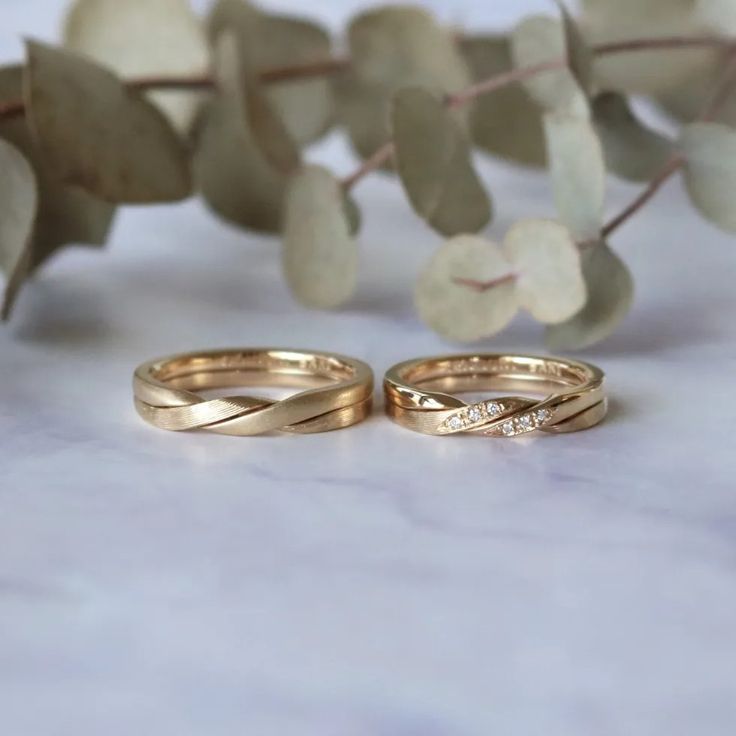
{"x": 420, "y": 394}
{"x": 338, "y": 391}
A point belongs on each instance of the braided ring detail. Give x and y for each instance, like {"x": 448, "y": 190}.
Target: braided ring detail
{"x": 577, "y": 401}
{"x": 164, "y": 394}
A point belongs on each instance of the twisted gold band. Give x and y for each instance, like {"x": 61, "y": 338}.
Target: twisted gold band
{"x": 339, "y": 391}
{"x": 419, "y": 395}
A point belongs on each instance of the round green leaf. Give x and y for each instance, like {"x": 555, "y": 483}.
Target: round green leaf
{"x": 644, "y": 72}
{"x": 403, "y": 45}
{"x": 686, "y": 100}
{"x": 391, "y": 48}
{"x": 710, "y": 175}
{"x": 632, "y": 150}
{"x": 546, "y": 260}
{"x": 457, "y": 310}
{"x": 66, "y": 214}
{"x": 306, "y": 106}
{"x": 95, "y": 133}
{"x": 506, "y": 123}
{"x": 144, "y": 38}
{"x": 610, "y": 293}
{"x": 363, "y": 110}
{"x": 579, "y": 56}
{"x": 433, "y": 160}
{"x": 578, "y": 172}
{"x": 539, "y": 39}
{"x": 18, "y": 201}
{"x": 320, "y": 255}
{"x": 243, "y": 154}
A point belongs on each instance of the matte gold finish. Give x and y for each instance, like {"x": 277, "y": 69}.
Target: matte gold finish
{"x": 338, "y": 391}
{"x": 420, "y": 394}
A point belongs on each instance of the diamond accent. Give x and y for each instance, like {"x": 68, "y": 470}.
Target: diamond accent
{"x": 527, "y": 422}
{"x": 455, "y": 422}
{"x": 475, "y": 415}
{"x": 493, "y": 408}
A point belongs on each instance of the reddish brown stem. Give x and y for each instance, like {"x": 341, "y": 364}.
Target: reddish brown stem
{"x": 671, "y": 168}
{"x": 146, "y": 84}
{"x": 668, "y": 42}
{"x": 12, "y": 109}
{"x": 720, "y": 96}
{"x": 321, "y": 68}
{"x": 482, "y": 286}
{"x": 517, "y": 75}
{"x": 374, "y": 162}
{"x": 502, "y": 80}
{"x": 276, "y": 75}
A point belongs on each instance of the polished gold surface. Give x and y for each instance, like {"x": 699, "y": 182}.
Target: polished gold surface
{"x": 420, "y": 394}
{"x": 338, "y": 391}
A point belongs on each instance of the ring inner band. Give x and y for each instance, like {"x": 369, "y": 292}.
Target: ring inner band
{"x": 490, "y": 373}
{"x": 252, "y": 368}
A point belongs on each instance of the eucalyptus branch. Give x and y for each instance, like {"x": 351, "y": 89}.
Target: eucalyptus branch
{"x": 669, "y": 170}
{"x": 497, "y": 82}
{"x": 275, "y": 75}
{"x": 720, "y": 96}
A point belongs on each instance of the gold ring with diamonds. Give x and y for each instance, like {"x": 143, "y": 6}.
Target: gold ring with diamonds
{"x": 420, "y": 394}
{"x": 338, "y": 391}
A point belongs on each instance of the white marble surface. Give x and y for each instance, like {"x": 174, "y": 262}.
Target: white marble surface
{"x": 370, "y": 582}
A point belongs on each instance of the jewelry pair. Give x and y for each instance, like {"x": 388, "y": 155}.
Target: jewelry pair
{"x": 420, "y": 394}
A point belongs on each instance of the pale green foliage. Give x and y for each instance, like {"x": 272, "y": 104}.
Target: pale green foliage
{"x": 149, "y": 101}
{"x": 433, "y": 161}
{"x": 472, "y": 287}
{"x": 320, "y": 253}
{"x": 710, "y": 152}
{"x": 18, "y": 201}
{"x": 94, "y": 132}
{"x": 610, "y": 292}
{"x": 138, "y": 38}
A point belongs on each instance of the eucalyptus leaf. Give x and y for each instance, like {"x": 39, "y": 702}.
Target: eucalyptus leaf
{"x": 363, "y": 110}
{"x": 391, "y": 48}
{"x": 632, "y": 150}
{"x": 546, "y": 260}
{"x": 434, "y": 162}
{"x": 243, "y": 155}
{"x": 709, "y": 150}
{"x": 651, "y": 71}
{"x": 95, "y": 133}
{"x": 578, "y": 173}
{"x": 610, "y": 293}
{"x": 306, "y": 106}
{"x": 539, "y": 39}
{"x": 18, "y": 201}
{"x": 456, "y": 310}
{"x": 506, "y": 123}
{"x": 579, "y": 55}
{"x": 686, "y": 100}
{"x": 144, "y": 38}
{"x": 66, "y": 214}
{"x": 320, "y": 255}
